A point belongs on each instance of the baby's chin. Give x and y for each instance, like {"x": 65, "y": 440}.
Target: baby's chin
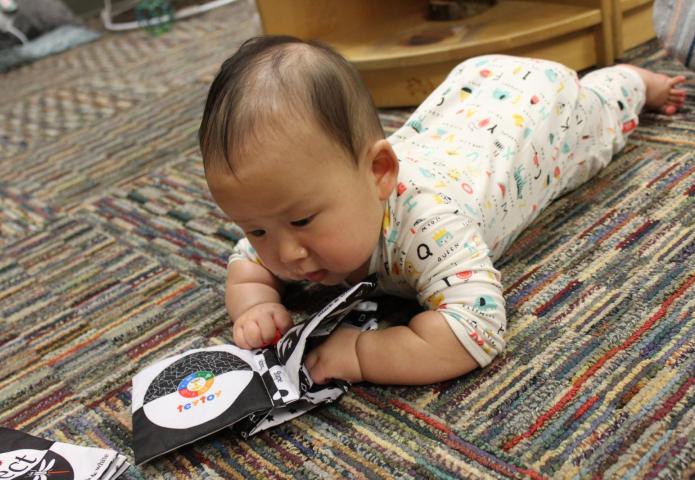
{"x": 327, "y": 280}
{"x": 332, "y": 280}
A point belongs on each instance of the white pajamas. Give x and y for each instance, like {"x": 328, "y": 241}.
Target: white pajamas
{"x": 496, "y": 142}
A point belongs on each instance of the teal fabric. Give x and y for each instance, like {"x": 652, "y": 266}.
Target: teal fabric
{"x": 57, "y": 40}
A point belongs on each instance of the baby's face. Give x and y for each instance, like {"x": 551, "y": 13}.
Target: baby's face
{"x": 306, "y": 209}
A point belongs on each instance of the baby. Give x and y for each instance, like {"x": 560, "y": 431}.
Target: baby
{"x": 294, "y": 154}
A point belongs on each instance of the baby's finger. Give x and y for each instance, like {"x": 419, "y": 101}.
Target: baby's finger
{"x": 238, "y": 336}
{"x": 318, "y": 374}
{"x": 312, "y": 364}
{"x": 252, "y": 335}
{"x": 275, "y": 339}
{"x": 310, "y": 359}
{"x": 268, "y": 332}
{"x": 283, "y": 320}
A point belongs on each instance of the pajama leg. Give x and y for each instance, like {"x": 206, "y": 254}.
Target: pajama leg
{"x": 609, "y": 101}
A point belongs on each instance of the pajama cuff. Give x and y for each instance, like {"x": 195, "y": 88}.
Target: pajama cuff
{"x": 471, "y": 341}
{"x": 638, "y": 83}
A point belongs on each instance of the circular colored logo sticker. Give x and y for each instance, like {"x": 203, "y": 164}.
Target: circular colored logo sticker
{"x": 196, "y": 384}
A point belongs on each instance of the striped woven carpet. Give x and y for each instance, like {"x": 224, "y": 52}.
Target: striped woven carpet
{"x": 113, "y": 256}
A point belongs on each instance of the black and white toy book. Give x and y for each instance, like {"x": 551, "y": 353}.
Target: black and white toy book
{"x": 24, "y": 456}
{"x": 188, "y": 396}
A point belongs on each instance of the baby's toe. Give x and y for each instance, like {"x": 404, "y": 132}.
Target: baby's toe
{"x": 677, "y": 80}
{"x": 668, "y": 109}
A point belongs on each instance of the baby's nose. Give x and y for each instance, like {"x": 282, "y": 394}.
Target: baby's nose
{"x": 290, "y": 251}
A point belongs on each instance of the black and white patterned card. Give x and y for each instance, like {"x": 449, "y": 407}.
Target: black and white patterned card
{"x": 188, "y": 396}
{"x": 24, "y": 456}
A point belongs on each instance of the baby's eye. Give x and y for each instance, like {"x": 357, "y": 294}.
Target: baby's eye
{"x": 257, "y": 233}
{"x": 303, "y": 222}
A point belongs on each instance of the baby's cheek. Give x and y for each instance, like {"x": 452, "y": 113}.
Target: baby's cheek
{"x": 331, "y": 251}
{"x": 269, "y": 261}
{"x": 350, "y": 253}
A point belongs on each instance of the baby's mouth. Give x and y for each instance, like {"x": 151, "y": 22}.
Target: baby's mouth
{"x": 316, "y": 276}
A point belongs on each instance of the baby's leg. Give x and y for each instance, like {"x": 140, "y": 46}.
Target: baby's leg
{"x": 610, "y": 101}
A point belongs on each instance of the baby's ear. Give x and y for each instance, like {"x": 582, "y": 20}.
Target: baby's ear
{"x": 384, "y": 167}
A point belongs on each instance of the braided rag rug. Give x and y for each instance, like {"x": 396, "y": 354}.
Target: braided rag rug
{"x": 113, "y": 256}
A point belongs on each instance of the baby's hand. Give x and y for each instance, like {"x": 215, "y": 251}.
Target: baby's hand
{"x": 259, "y": 325}
{"x": 336, "y": 358}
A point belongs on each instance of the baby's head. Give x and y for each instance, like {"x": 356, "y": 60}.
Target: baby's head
{"x": 294, "y": 153}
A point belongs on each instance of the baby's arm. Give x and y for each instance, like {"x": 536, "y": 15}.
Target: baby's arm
{"x": 252, "y": 298}
{"x": 461, "y": 329}
{"x": 426, "y": 351}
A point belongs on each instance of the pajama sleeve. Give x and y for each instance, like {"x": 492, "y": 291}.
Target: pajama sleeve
{"x": 448, "y": 264}
{"x": 244, "y": 251}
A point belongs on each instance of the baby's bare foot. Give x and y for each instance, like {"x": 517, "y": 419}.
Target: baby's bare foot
{"x": 662, "y": 92}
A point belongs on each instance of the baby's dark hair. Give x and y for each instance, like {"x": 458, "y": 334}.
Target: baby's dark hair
{"x": 271, "y": 75}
